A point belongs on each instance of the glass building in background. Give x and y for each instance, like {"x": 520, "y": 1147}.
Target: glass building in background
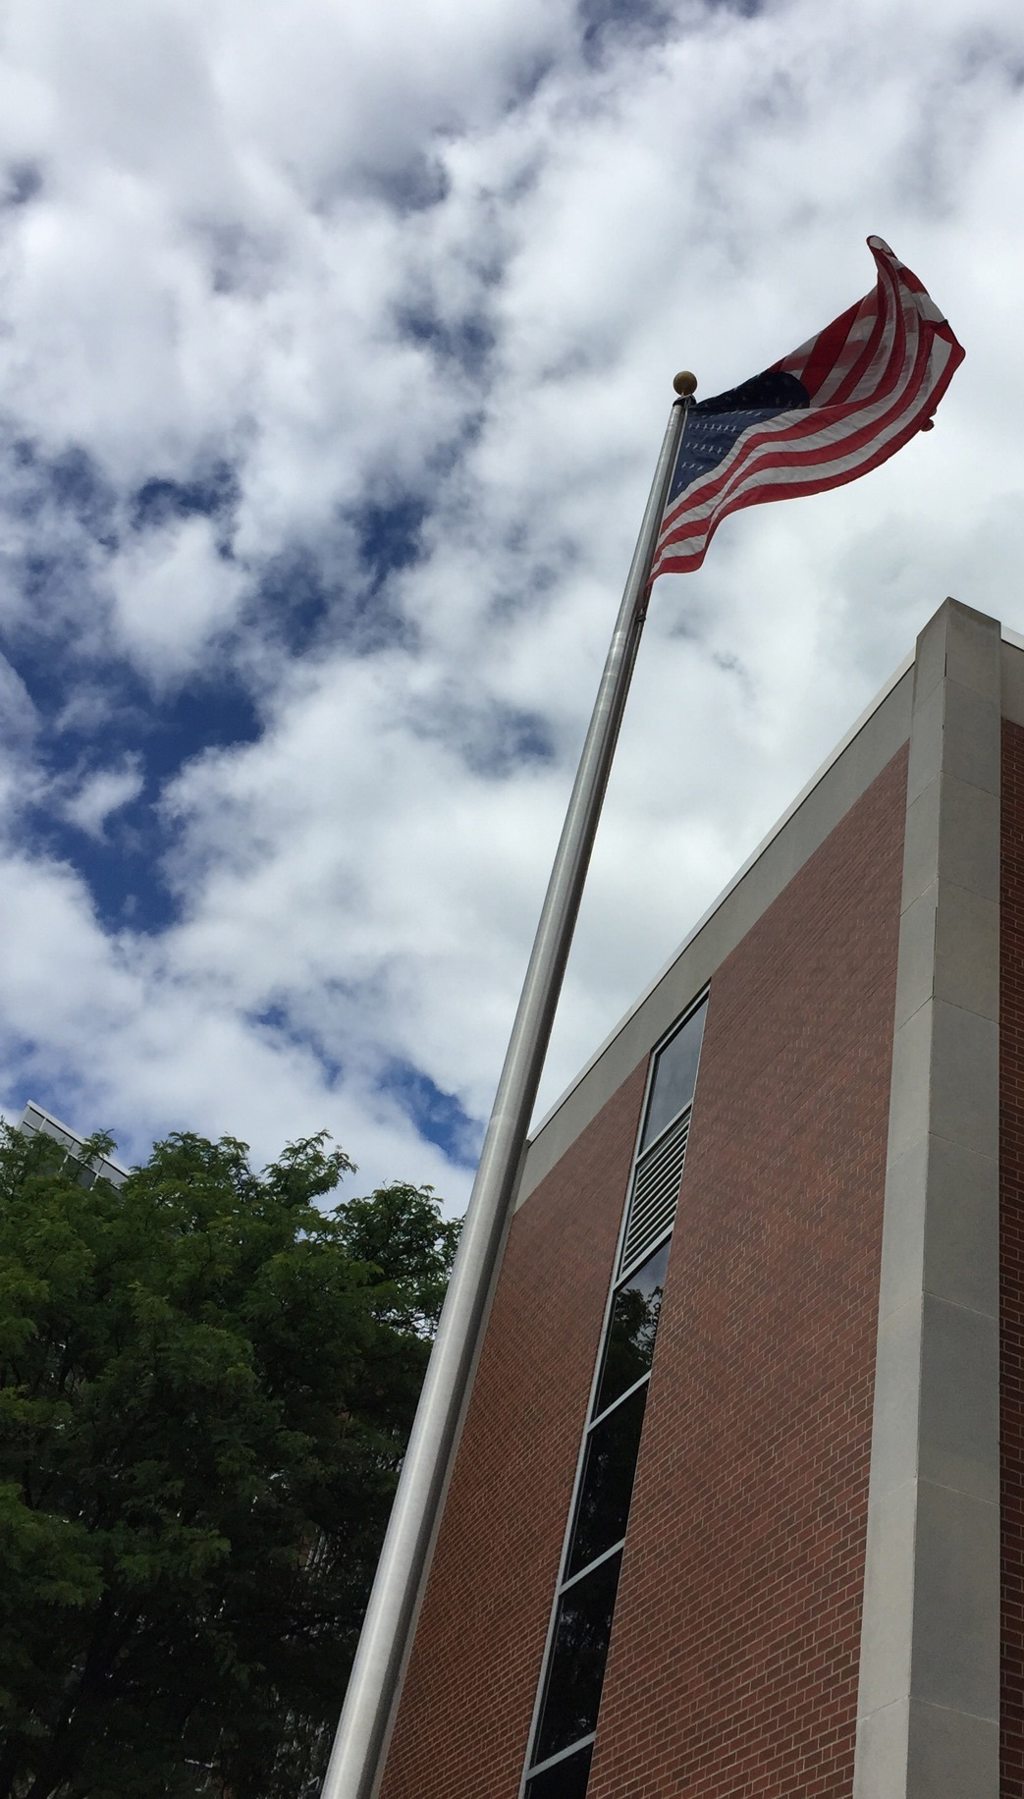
{"x": 36, "y": 1122}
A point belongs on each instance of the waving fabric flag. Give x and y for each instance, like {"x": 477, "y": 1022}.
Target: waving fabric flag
{"x": 830, "y": 411}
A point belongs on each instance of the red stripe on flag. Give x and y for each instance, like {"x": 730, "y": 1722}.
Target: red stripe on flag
{"x": 822, "y": 353}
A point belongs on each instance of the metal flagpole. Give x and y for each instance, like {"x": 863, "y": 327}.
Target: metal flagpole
{"x": 356, "y": 1761}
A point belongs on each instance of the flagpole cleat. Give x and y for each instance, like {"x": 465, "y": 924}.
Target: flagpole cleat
{"x": 685, "y": 384}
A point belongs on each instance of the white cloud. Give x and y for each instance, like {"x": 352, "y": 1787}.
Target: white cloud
{"x": 19, "y": 778}
{"x": 102, "y": 793}
{"x": 174, "y": 592}
{"x": 451, "y": 258}
{"x": 162, "y": 1052}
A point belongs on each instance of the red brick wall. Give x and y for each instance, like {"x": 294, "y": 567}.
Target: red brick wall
{"x": 733, "y": 1664}
{"x": 466, "y": 1707}
{"x": 735, "y": 1644}
{"x": 1011, "y": 1261}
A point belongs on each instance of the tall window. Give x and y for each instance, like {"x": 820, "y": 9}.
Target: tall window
{"x": 563, "y": 1738}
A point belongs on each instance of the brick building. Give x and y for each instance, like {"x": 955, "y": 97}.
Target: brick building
{"x": 762, "y": 1558}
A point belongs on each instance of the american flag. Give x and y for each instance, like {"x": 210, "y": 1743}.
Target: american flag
{"x": 838, "y": 406}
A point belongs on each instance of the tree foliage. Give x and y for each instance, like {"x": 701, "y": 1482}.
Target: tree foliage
{"x": 206, "y": 1382}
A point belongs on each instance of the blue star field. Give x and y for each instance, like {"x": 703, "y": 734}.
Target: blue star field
{"x": 713, "y": 426}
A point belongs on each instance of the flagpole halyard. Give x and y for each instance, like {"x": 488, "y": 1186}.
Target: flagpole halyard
{"x": 356, "y": 1764}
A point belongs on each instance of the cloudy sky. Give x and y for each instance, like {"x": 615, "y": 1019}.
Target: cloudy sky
{"x": 336, "y": 345}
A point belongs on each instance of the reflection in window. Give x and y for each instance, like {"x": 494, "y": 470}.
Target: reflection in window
{"x": 566, "y": 1780}
{"x": 674, "y": 1078}
{"x": 608, "y": 1470}
{"x": 576, "y": 1668}
{"x": 633, "y": 1327}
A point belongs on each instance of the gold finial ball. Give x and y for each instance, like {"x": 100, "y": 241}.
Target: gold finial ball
{"x": 685, "y": 384}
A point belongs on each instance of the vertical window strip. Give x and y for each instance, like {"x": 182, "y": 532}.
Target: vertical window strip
{"x": 573, "y": 1670}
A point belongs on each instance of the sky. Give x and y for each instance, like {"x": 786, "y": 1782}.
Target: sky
{"x": 336, "y": 346}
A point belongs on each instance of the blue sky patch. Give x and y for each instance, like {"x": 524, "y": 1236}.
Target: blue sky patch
{"x": 437, "y": 1116}
{"x": 22, "y": 181}
{"x": 469, "y": 342}
{"x": 644, "y": 19}
{"x": 161, "y": 501}
{"x": 212, "y": 712}
{"x": 295, "y": 598}
{"x": 120, "y": 870}
{"x": 493, "y": 740}
{"x": 420, "y": 183}
{"x": 123, "y": 866}
{"x": 389, "y": 534}
{"x": 72, "y": 481}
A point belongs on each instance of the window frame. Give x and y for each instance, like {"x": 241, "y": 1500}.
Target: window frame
{"x": 643, "y": 1150}
{"x": 619, "y": 1278}
{"x": 563, "y": 1755}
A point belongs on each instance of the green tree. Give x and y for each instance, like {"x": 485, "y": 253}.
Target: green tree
{"x": 206, "y": 1382}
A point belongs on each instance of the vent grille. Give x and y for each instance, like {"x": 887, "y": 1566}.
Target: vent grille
{"x": 652, "y": 1205}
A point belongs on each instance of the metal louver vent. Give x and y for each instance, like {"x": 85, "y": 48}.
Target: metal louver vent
{"x": 655, "y": 1192}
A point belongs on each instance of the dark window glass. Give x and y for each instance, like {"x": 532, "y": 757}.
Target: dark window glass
{"x": 608, "y": 1470}
{"x": 632, "y": 1328}
{"x": 675, "y": 1075}
{"x": 576, "y": 1668}
{"x": 566, "y": 1780}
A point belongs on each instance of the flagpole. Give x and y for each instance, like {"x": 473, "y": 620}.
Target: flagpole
{"x": 356, "y": 1762}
